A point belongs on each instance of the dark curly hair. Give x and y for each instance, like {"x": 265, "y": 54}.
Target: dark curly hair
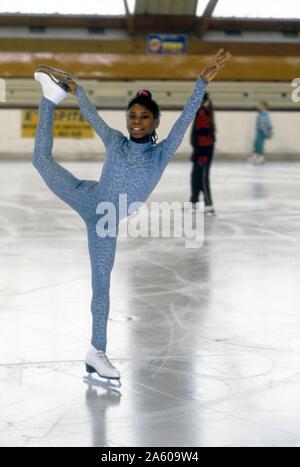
{"x": 144, "y": 97}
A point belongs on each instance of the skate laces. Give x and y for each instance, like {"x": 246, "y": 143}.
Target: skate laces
{"x": 104, "y": 359}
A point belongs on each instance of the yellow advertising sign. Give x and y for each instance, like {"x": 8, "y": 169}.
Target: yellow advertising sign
{"x": 68, "y": 123}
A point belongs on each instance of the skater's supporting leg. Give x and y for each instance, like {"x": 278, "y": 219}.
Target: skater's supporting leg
{"x": 102, "y": 255}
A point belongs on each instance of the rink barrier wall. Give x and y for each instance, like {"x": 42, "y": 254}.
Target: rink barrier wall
{"x": 235, "y": 135}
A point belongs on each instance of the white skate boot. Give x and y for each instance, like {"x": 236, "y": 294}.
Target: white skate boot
{"x": 209, "y": 211}
{"x": 252, "y": 158}
{"x": 97, "y": 361}
{"x": 53, "y": 90}
{"x": 260, "y": 160}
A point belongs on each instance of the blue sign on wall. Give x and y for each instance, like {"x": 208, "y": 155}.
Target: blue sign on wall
{"x": 159, "y": 44}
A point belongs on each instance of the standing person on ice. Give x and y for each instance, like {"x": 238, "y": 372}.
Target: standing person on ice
{"x": 203, "y": 137}
{"x": 132, "y": 166}
{"x": 263, "y": 132}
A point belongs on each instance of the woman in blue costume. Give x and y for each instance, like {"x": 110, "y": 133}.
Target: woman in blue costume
{"x": 132, "y": 166}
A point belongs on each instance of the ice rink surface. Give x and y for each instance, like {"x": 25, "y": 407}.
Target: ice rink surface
{"x": 207, "y": 340}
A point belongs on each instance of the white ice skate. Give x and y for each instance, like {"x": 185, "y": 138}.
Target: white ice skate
{"x": 53, "y": 90}
{"x": 209, "y": 211}
{"x": 260, "y": 160}
{"x": 97, "y": 362}
{"x": 252, "y": 158}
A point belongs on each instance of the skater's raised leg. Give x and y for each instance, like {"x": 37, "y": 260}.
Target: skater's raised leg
{"x": 61, "y": 182}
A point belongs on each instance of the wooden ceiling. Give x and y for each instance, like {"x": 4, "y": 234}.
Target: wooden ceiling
{"x": 150, "y": 23}
{"x": 125, "y": 55}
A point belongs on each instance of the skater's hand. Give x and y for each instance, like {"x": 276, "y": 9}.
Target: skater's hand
{"x": 215, "y": 65}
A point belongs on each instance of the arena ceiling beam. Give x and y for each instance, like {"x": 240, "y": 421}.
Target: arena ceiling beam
{"x": 130, "y": 22}
{"x": 149, "y": 23}
{"x": 203, "y": 24}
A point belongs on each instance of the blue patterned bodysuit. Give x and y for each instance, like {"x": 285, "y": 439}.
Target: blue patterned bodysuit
{"x": 129, "y": 168}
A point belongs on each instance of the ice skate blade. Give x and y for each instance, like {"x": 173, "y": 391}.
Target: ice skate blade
{"x": 56, "y": 71}
{"x": 64, "y": 79}
{"x": 107, "y": 384}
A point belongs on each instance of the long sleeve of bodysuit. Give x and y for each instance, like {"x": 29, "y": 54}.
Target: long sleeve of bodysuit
{"x": 89, "y": 112}
{"x": 175, "y": 137}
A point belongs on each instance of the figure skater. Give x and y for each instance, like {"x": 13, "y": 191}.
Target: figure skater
{"x": 132, "y": 166}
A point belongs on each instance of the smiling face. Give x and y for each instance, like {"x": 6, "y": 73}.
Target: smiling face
{"x": 140, "y": 121}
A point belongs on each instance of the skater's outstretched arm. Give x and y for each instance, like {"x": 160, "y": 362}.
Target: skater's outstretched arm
{"x": 89, "y": 111}
{"x": 175, "y": 137}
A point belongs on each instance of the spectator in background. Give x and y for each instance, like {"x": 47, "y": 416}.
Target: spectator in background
{"x": 263, "y": 132}
{"x": 203, "y": 138}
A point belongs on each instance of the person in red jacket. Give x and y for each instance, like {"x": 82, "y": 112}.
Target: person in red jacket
{"x": 203, "y": 138}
